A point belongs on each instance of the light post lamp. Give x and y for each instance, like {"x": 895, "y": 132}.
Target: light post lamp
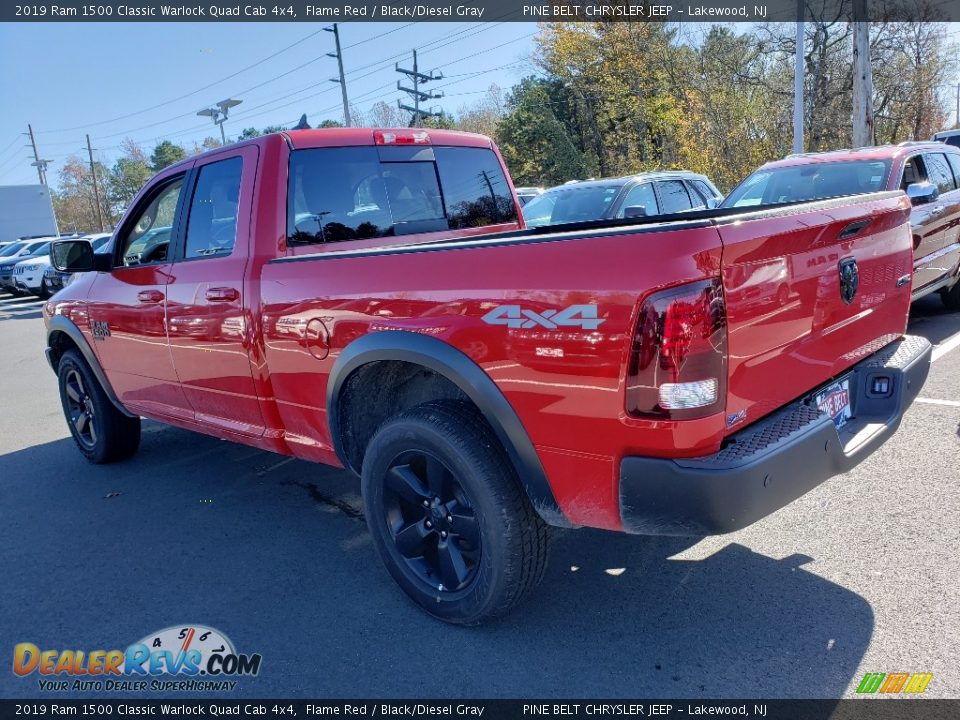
{"x": 219, "y": 114}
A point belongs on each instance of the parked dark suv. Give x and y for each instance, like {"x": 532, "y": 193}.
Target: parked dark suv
{"x": 929, "y": 172}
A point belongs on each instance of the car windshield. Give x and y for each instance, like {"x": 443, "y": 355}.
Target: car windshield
{"x": 570, "y": 205}
{"x": 809, "y": 181}
{"x": 12, "y": 249}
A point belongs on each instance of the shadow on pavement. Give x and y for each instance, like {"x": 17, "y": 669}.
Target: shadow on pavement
{"x": 274, "y": 553}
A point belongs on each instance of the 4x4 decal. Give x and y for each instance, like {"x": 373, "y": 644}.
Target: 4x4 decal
{"x": 516, "y": 316}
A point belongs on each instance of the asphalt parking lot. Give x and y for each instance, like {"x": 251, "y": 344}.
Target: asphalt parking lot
{"x": 860, "y": 575}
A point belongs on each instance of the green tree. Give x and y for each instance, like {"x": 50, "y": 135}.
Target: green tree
{"x": 536, "y": 145}
{"x": 75, "y": 201}
{"x": 166, "y": 154}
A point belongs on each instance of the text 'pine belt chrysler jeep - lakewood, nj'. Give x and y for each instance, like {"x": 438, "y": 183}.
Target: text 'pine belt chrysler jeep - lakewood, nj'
{"x": 370, "y": 299}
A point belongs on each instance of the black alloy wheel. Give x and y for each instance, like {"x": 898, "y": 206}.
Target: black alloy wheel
{"x": 432, "y": 521}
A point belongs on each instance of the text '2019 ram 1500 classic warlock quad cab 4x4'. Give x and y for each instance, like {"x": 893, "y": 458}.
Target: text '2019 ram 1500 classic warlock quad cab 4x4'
{"x": 370, "y": 299}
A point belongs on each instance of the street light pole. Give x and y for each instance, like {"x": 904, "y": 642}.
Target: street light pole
{"x": 219, "y": 114}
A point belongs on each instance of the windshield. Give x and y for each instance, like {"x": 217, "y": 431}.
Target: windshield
{"x": 809, "y": 181}
{"x": 12, "y": 249}
{"x": 572, "y": 205}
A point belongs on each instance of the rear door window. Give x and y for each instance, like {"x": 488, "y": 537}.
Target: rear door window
{"x": 355, "y": 193}
{"x": 673, "y": 196}
{"x": 939, "y": 172}
{"x": 212, "y": 226}
{"x": 954, "y": 160}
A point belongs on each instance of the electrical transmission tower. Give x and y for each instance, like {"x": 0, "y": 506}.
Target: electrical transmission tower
{"x": 418, "y": 95}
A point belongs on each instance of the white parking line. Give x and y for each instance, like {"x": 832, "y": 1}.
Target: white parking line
{"x": 951, "y": 343}
{"x": 931, "y": 401}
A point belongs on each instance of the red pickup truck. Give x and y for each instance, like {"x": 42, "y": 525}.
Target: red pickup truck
{"x": 371, "y": 300}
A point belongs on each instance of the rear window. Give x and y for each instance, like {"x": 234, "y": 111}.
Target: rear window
{"x": 354, "y": 193}
{"x": 812, "y": 181}
{"x": 12, "y": 249}
{"x": 570, "y": 205}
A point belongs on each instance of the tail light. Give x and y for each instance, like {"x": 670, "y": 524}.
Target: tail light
{"x": 678, "y": 363}
{"x": 407, "y": 137}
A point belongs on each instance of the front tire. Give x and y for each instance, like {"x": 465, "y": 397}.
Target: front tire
{"x": 44, "y": 292}
{"x": 951, "y": 297}
{"x": 448, "y": 516}
{"x": 102, "y": 433}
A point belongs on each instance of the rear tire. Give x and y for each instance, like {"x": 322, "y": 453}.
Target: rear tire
{"x": 448, "y": 516}
{"x": 951, "y": 297}
{"x": 102, "y": 433}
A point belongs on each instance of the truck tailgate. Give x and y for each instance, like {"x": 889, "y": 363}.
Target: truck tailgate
{"x": 794, "y": 321}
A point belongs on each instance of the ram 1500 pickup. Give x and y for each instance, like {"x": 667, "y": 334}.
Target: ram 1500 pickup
{"x": 371, "y": 300}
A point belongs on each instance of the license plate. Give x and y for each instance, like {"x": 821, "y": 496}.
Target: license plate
{"x": 834, "y": 400}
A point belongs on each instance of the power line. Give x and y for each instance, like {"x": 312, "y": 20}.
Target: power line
{"x": 189, "y": 94}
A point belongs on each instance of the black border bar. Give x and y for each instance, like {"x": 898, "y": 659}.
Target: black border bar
{"x": 708, "y": 11}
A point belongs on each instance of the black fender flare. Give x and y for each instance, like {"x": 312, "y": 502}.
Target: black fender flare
{"x": 61, "y": 324}
{"x": 458, "y": 368}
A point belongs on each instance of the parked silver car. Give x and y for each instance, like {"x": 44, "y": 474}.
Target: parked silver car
{"x": 653, "y": 193}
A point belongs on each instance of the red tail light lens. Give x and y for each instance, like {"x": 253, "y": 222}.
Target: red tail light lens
{"x": 678, "y": 364}
{"x": 411, "y": 137}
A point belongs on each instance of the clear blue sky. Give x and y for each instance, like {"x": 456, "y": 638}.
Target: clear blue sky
{"x": 68, "y": 79}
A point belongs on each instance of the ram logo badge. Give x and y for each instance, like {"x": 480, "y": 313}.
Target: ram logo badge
{"x": 849, "y": 279}
{"x": 515, "y": 316}
{"x": 100, "y": 329}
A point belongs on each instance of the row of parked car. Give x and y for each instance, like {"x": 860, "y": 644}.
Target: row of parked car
{"x": 927, "y": 171}
{"x": 25, "y": 266}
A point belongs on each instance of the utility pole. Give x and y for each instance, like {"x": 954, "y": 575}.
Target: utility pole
{"x": 96, "y": 190}
{"x": 417, "y": 94}
{"x": 343, "y": 80}
{"x": 862, "y": 77}
{"x": 40, "y": 165}
{"x": 798, "y": 70}
{"x": 957, "y": 124}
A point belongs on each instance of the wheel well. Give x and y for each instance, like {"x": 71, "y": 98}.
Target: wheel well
{"x": 59, "y": 343}
{"x": 379, "y": 390}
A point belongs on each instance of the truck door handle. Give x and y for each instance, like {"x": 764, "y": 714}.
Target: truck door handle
{"x": 854, "y": 228}
{"x": 222, "y": 294}
{"x": 150, "y": 296}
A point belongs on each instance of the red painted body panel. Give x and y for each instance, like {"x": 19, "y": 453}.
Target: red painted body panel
{"x": 255, "y": 368}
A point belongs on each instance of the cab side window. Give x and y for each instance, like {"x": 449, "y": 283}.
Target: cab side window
{"x": 938, "y": 169}
{"x": 212, "y": 224}
{"x": 641, "y": 195}
{"x": 913, "y": 172}
{"x": 147, "y": 239}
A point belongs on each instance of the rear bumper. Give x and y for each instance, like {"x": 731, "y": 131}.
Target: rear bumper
{"x": 774, "y": 461}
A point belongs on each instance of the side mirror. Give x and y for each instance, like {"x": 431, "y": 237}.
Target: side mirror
{"x": 712, "y": 203}
{"x": 921, "y": 193}
{"x": 76, "y": 256}
{"x": 635, "y": 211}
